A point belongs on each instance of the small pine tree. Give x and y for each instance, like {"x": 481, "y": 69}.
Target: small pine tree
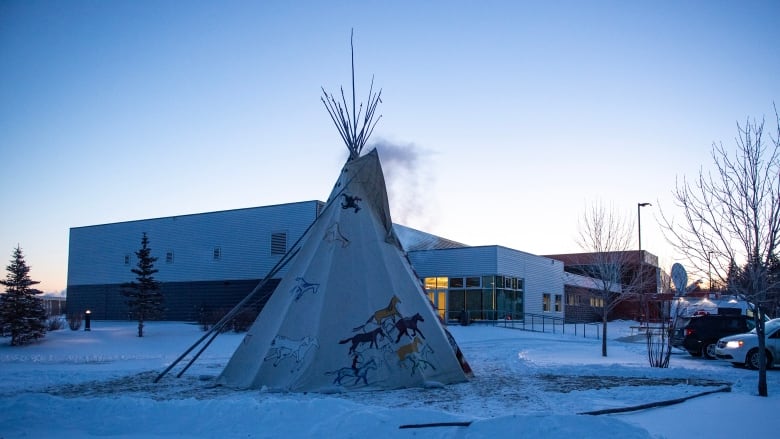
{"x": 144, "y": 297}
{"x": 21, "y": 313}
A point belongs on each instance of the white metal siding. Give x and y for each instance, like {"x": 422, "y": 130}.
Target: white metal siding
{"x": 542, "y": 275}
{"x": 97, "y": 253}
{"x": 467, "y": 261}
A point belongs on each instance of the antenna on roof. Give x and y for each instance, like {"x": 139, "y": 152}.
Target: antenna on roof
{"x": 346, "y": 122}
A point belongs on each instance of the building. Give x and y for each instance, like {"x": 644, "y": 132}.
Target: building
{"x": 54, "y": 305}
{"x": 208, "y": 262}
{"x": 637, "y": 268}
{"x": 490, "y": 282}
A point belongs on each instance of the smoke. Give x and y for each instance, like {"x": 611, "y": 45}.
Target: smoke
{"x": 409, "y": 175}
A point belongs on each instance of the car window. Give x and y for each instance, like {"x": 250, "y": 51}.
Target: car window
{"x": 776, "y": 334}
{"x": 751, "y": 324}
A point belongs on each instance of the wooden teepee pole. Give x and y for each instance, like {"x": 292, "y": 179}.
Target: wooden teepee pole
{"x": 347, "y": 122}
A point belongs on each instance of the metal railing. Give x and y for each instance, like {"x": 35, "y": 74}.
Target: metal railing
{"x": 524, "y": 321}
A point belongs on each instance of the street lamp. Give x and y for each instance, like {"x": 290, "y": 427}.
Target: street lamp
{"x": 709, "y": 267}
{"x": 639, "y": 206}
{"x": 642, "y": 301}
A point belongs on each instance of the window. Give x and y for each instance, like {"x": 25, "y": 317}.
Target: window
{"x": 127, "y": 259}
{"x": 597, "y": 302}
{"x": 217, "y": 253}
{"x": 279, "y": 243}
{"x": 545, "y": 302}
{"x": 473, "y": 282}
{"x": 558, "y": 303}
{"x": 456, "y": 282}
{"x": 169, "y": 257}
{"x": 432, "y": 283}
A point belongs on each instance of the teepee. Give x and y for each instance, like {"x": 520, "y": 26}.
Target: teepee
{"x": 350, "y": 313}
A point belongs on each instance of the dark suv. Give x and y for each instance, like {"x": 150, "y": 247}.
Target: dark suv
{"x": 701, "y": 334}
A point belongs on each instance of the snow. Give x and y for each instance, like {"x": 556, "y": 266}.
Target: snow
{"x": 100, "y": 384}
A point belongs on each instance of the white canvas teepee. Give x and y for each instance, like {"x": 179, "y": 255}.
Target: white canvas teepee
{"x": 350, "y": 313}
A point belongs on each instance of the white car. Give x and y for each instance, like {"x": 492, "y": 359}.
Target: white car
{"x": 742, "y": 349}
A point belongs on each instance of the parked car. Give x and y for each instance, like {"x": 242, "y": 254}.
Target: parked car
{"x": 742, "y": 349}
{"x": 701, "y": 334}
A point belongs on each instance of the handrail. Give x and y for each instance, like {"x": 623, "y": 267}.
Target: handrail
{"x": 523, "y": 321}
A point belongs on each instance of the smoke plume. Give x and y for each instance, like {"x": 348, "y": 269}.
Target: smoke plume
{"x": 408, "y": 175}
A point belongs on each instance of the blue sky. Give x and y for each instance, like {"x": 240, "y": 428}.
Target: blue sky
{"x": 520, "y": 115}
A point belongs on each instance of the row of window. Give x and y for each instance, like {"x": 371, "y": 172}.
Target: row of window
{"x": 482, "y": 297}
{"x": 580, "y": 300}
{"x": 546, "y": 302}
{"x": 477, "y": 282}
{"x": 169, "y": 256}
{"x": 278, "y": 248}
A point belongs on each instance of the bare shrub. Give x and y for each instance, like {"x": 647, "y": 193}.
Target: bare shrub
{"x": 243, "y": 320}
{"x": 74, "y": 321}
{"x": 55, "y": 323}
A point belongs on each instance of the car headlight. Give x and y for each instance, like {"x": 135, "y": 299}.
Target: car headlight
{"x": 734, "y": 344}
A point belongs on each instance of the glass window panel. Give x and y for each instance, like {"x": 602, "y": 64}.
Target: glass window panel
{"x": 488, "y": 300}
{"x": 487, "y": 281}
{"x": 472, "y": 282}
{"x": 456, "y": 302}
{"x": 474, "y": 304}
{"x": 519, "y": 306}
{"x": 456, "y": 282}
{"x": 502, "y": 300}
{"x": 441, "y": 305}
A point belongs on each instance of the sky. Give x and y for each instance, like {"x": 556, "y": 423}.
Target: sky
{"x": 99, "y": 384}
{"x": 507, "y": 120}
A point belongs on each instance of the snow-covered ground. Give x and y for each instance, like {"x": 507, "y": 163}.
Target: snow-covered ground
{"x": 530, "y": 384}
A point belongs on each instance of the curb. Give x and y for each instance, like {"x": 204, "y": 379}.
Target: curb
{"x": 725, "y": 388}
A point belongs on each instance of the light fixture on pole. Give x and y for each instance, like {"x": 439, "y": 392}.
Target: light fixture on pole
{"x": 640, "y": 259}
{"x": 639, "y": 206}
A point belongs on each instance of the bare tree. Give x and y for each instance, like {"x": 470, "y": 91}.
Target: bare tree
{"x": 659, "y": 338}
{"x": 607, "y": 237}
{"x": 731, "y": 215}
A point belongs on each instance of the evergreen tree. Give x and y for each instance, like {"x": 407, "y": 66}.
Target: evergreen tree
{"x": 734, "y": 278}
{"x": 772, "y": 306}
{"x": 144, "y": 298}
{"x": 22, "y": 314}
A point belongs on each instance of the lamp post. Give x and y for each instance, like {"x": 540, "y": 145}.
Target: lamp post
{"x": 639, "y": 206}
{"x": 643, "y": 302}
{"x": 709, "y": 267}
